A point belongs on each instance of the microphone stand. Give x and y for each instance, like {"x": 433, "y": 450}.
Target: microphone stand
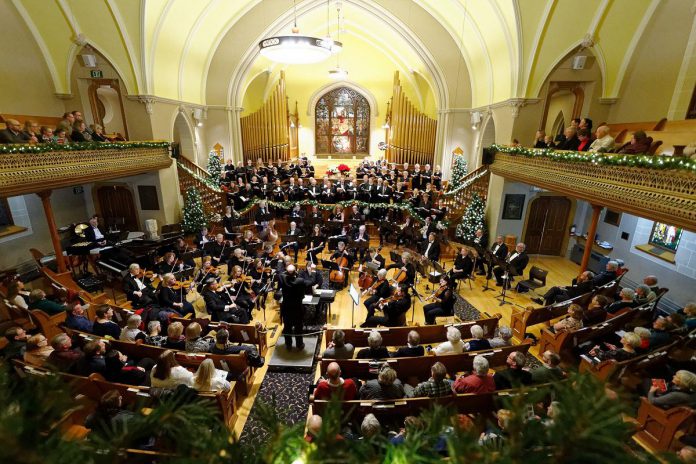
{"x": 413, "y": 302}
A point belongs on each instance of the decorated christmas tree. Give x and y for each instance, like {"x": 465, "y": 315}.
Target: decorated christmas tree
{"x": 459, "y": 172}
{"x": 474, "y": 218}
{"x": 194, "y": 215}
{"x": 214, "y": 167}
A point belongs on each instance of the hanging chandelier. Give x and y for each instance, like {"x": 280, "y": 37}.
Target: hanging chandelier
{"x": 297, "y": 48}
{"x": 338, "y": 72}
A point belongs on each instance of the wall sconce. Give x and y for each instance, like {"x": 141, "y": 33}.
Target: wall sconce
{"x": 475, "y": 120}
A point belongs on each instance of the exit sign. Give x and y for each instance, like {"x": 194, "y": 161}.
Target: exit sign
{"x": 96, "y": 74}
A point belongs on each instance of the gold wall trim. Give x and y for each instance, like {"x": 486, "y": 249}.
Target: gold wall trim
{"x": 23, "y": 173}
{"x": 662, "y": 195}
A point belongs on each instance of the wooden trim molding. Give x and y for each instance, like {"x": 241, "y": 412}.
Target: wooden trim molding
{"x": 22, "y": 173}
{"x": 661, "y": 195}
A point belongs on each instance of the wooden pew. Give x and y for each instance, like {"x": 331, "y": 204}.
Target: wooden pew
{"x": 391, "y": 410}
{"x": 622, "y": 131}
{"x": 396, "y": 336}
{"x": 564, "y": 342}
{"x": 49, "y": 325}
{"x": 613, "y": 371}
{"x": 239, "y": 333}
{"x": 419, "y": 367}
{"x": 520, "y": 321}
{"x": 234, "y": 363}
{"x": 658, "y": 427}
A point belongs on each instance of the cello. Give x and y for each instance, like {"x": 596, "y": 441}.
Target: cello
{"x": 365, "y": 279}
{"x": 337, "y": 275}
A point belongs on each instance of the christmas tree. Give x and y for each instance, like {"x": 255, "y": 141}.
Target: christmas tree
{"x": 194, "y": 215}
{"x": 214, "y": 167}
{"x": 474, "y": 218}
{"x": 459, "y": 172}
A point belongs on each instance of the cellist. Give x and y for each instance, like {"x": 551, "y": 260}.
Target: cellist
{"x": 343, "y": 259}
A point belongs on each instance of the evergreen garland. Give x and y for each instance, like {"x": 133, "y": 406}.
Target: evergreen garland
{"x": 459, "y": 172}
{"x": 194, "y": 215}
{"x": 680, "y": 163}
{"x": 214, "y": 167}
{"x": 474, "y": 218}
{"x": 85, "y": 146}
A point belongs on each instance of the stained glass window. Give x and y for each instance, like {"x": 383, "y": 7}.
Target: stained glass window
{"x": 342, "y": 122}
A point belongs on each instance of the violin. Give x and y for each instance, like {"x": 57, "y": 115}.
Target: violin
{"x": 145, "y": 274}
{"x": 437, "y": 294}
{"x": 373, "y": 288}
{"x": 182, "y": 284}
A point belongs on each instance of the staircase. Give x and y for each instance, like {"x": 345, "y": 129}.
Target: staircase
{"x": 474, "y": 182}
{"x": 192, "y": 175}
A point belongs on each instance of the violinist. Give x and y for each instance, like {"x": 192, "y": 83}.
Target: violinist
{"x": 220, "y": 306}
{"x": 218, "y": 250}
{"x": 169, "y": 264}
{"x": 443, "y": 302}
{"x": 138, "y": 288}
{"x": 168, "y": 297}
{"x": 228, "y": 222}
{"x": 203, "y": 237}
{"x": 237, "y": 259}
{"x": 293, "y": 235}
{"x": 316, "y": 244}
{"x": 181, "y": 248}
{"x": 205, "y": 273}
{"x": 240, "y": 290}
{"x": 267, "y": 255}
{"x": 394, "y": 309}
{"x": 379, "y": 290}
{"x": 249, "y": 240}
{"x": 260, "y": 276}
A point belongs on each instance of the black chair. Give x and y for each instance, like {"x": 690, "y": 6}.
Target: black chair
{"x": 537, "y": 279}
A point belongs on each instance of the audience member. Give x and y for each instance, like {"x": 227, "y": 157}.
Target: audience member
{"x": 504, "y": 337}
{"x": 375, "y": 349}
{"x": 595, "y": 311}
{"x": 436, "y": 386}
{"x": 13, "y": 132}
{"x": 477, "y": 342}
{"x": 16, "y": 294}
{"x": 514, "y": 375}
{"x": 109, "y": 415}
{"x": 370, "y": 427}
{"x": 194, "y": 342}
{"x": 119, "y": 369}
{"x": 338, "y": 348}
{"x": 571, "y": 141}
{"x": 626, "y": 300}
{"x": 454, "y": 343}
{"x": 480, "y": 381}
{"x": 572, "y": 322}
{"x": 208, "y": 378}
{"x": 681, "y": 392}
{"x": 175, "y": 337}
{"x": 38, "y": 300}
{"x": 539, "y": 139}
{"x": 385, "y": 387}
{"x": 131, "y": 332}
{"x": 603, "y": 141}
{"x": 644, "y": 334}
{"x": 63, "y": 357}
{"x": 412, "y": 348}
{"x": 38, "y": 350}
{"x": 77, "y": 320}
{"x": 16, "y": 343}
{"x": 690, "y": 313}
{"x": 93, "y": 360}
{"x": 644, "y": 295}
{"x": 580, "y": 285}
{"x": 154, "y": 328}
{"x": 335, "y": 385}
{"x": 167, "y": 373}
{"x": 495, "y": 440}
{"x": 103, "y": 325}
{"x": 660, "y": 333}
{"x": 31, "y": 131}
{"x": 549, "y": 371}
{"x": 640, "y": 143}
{"x": 629, "y": 342}
{"x": 585, "y": 138}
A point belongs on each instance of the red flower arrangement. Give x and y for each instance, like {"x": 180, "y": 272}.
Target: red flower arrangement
{"x": 343, "y": 168}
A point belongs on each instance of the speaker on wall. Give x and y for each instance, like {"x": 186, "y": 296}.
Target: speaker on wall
{"x": 579, "y": 62}
{"x": 88, "y": 61}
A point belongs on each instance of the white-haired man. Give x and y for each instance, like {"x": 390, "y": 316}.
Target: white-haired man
{"x": 516, "y": 262}
{"x": 137, "y": 287}
{"x": 479, "y": 381}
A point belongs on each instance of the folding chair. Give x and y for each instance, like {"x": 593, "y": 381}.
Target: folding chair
{"x": 537, "y": 279}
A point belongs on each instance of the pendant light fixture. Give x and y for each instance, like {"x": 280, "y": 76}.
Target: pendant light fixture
{"x": 338, "y": 73}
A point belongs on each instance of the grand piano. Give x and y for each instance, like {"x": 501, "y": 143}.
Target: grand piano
{"x": 115, "y": 259}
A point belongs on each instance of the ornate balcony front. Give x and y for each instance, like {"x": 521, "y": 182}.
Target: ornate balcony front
{"x": 654, "y": 187}
{"x": 30, "y": 169}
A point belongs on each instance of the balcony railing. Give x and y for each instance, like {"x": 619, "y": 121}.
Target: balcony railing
{"x": 654, "y": 187}
{"x": 29, "y": 169}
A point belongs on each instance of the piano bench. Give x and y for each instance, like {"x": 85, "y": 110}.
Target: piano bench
{"x": 91, "y": 284}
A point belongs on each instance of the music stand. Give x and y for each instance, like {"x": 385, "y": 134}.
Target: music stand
{"x": 413, "y": 302}
{"x": 253, "y": 249}
{"x": 506, "y": 276}
{"x": 395, "y": 257}
{"x": 492, "y": 261}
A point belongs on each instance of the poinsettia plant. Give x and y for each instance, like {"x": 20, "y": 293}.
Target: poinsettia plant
{"x": 343, "y": 168}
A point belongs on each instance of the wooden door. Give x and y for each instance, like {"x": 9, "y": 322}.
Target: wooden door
{"x": 117, "y": 207}
{"x": 547, "y": 225}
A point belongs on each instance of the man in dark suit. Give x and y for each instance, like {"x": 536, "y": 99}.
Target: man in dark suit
{"x": 378, "y": 291}
{"x": 291, "y": 311}
{"x": 13, "y": 133}
{"x": 499, "y": 250}
{"x": 312, "y": 278}
{"x": 582, "y": 284}
{"x": 431, "y": 249}
{"x": 606, "y": 276}
{"x": 219, "y": 307}
{"x": 93, "y": 234}
{"x": 394, "y": 311}
{"x": 138, "y": 289}
{"x": 516, "y": 261}
{"x": 360, "y": 236}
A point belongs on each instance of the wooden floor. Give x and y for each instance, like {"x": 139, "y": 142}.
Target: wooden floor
{"x": 561, "y": 272}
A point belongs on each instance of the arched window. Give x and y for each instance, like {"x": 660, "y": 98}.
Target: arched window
{"x": 342, "y": 122}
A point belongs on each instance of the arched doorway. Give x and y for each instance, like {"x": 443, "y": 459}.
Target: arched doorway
{"x": 184, "y": 137}
{"x": 116, "y": 206}
{"x": 342, "y": 123}
{"x": 547, "y": 225}
{"x": 487, "y": 139}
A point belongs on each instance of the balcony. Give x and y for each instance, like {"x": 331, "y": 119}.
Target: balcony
{"x": 33, "y": 168}
{"x": 661, "y": 188}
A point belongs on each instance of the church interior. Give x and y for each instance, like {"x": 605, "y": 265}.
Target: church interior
{"x": 348, "y": 230}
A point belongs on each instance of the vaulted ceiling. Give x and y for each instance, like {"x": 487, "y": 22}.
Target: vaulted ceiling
{"x": 466, "y": 53}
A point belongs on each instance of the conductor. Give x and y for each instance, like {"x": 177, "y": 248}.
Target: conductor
{"x": 291, "y": 310}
